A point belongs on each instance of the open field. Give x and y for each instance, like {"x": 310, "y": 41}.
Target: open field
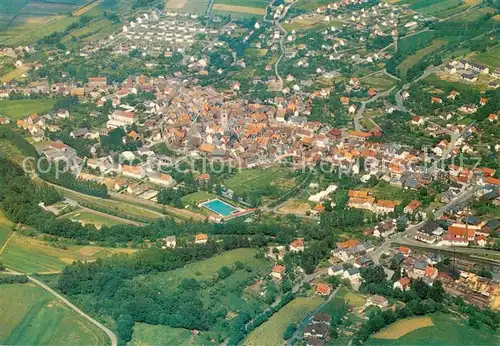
{"x": 208, "y": 268}
{"x": 245, "y": 8}
{"x": 295, "y": 207}
{"x": 403, "y": 327}
{"x": 354, "y": 299}
{"x": 196, "y": 197}
{"x": 18, "y": 109}
{"x": 379, "y": 81}
{"x": 412, "y": 60}
{"x": 147, "y": 334}
{"x": 446, "y": 330}
{"x": 14, "y": 74}
{"x": 31, "y": 255}
{"x": 473, "y": 15}
{"x": 86, "y": 8}
{"x": 5, "y": 227}
{"x": 120, "y": 208}
{"x": 32, "y": 316}
{"x": 247, "y": 180}
{"x": 11, "y": 152}
{"x": 489, "y": 58}
{"x": 313, "y": 4}
{"x": 271, "y": 331}
{"x": 89, "y": 217}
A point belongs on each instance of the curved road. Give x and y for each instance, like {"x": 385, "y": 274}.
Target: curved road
{"x": 111, "y": 335}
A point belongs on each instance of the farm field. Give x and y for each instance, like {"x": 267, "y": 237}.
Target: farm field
{"x": 14, "y": 74}
{"x": 412, "y": 60}
{"x": 89, "y": 217}
{"x": 35, "y": 317}
{"x": 11, "y": 152}
{"x": 313, "y": 4}
{"x": 146, "y": 334}
{"x": 403, "y": 327}
{"x": 473, "y": 14}
{"x": 31, "y": 255}
{"x": 488, "y": 58}
{"x": 191, "y": 6}
{"x": 271, "y": 331}
{"x": 446, "y": 330}
{"x": 250, "y": 7}
{"x": 18, "y": 109}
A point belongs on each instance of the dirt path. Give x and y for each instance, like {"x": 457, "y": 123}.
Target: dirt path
{"x": 6, "y": 242}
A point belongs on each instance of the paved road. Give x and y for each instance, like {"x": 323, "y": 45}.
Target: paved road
{"x": 408, "y": 235}
{"x": 112, "y": 336}
{"x": 306, "y": 320}
{"x": 359, "y": 113}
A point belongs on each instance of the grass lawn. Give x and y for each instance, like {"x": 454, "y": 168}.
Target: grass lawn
{"x": 208, "y": 268}
{"x": 31, "y": 255}
{"x": 378, "y": 81}
{"x": 271, "y": 331}
{"x": 196, "y": 197}
{"x": 35, "y": 317}
{"x": 89, "y": 217}
{"x": 384, "y": 190}
{"x": 354, "y": 299}
{"x": 147, "y": 334}
{"x": 447, "y": 330}
{"x": 18, "y": 109}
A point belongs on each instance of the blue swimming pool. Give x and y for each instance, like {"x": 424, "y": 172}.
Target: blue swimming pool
{"x": 219, "y": 207}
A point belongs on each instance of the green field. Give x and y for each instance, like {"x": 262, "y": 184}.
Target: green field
{"x": 447, "y": 330}
{"x": 5, "y": 229}
{"x": 412, "y": 60}
{"x": 89, "y": 217}
{"x": 31, "y": 255}
{"x": 313, "y": 4}
{"x": 378, "y": 81}
{"x": 247, "y": 3}
{"x": 271, "y": 331}
{"x": 32, "y": 316}
{"x": 123, "y": 209}
{"x": 489, "y": 58}
{"x": 196, "y": 197}
{"x": 146, "y": 334}
{"x": 18, "y": 109}
{"x": 249, "y": 180}
{"x": 207, "y": 269}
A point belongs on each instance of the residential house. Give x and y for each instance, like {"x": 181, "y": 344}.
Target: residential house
{"x": 134, "y": 172}
{"x": 297, "y": 245}
{"x": 161, "y": 179}
{"x": 323, "y": 289}
{"x": 412, "y": 207}
{"x": 316, "y": 330}
{"x": 377, "y": 300}
{"x": 201, "y": 238}
{"x": 278, "y": 271}
{"x": 385, "y": 228}
{"x": 170, "y": 242}
{"x": 403, "y": 284}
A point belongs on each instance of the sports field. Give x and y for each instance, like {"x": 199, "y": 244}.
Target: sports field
{"x": 440, "y": 330}
{"x": 18, "y": 109}
{"x": 32, "y": 316}
{"x": 271, "y": 331}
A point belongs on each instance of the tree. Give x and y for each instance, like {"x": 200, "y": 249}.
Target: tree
{"x": 224, "y": 272}
{"x": 124, "y": 326}
{"x": 401, "y": 224}
{"x": 289, "y": 331}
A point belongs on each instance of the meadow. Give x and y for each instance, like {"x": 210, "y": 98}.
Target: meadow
{"x": 31, "y": 255}
{"x": 241, "y": 7}
{"x": 207, "y": 269}
{"x": 18, "y": 109}
{"x": 447, "y": 330}
{"x": 379, "y": 81}
{"x": 147, "y": 334}
{"x": 5, "y": 228}
{"x": 96, "y": 219}
{"x": 412, "y": 60}
{"x": 489, "y": 58}
{"x": 271, "y": 331}
{"x": 248, "y": 180}
{"x": 32, "y": 316}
